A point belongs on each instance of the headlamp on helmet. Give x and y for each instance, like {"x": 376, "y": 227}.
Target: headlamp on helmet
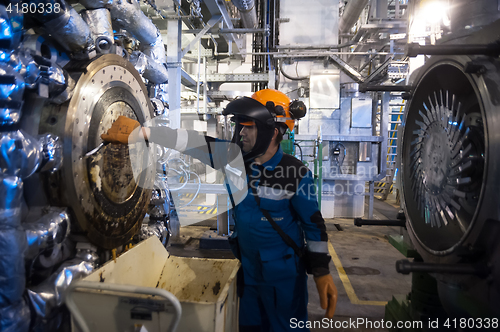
{"x": 284, "y": 110}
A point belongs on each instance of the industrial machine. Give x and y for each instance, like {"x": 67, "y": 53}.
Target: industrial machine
{"x": 449, "y": 167}
{"x": 449, "y": 164}
{"x": 68, "y": 69}
{"x": 67, "y": 72}
{"x": 68, "y": 202}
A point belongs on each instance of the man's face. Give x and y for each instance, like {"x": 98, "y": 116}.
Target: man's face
{"x": 248, "y": 137}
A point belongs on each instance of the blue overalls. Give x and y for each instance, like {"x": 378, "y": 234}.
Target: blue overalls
{"x": 275, "y": 280}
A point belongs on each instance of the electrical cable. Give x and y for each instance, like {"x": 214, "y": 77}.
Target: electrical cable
{"x": 339, "y": 161}
{"x": 290, "y": 77}
{"x": 300, "y": 148}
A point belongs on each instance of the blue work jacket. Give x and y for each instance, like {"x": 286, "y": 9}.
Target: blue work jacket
{"x": 286, "y": 189}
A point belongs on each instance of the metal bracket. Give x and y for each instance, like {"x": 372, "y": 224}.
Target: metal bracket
{"x": 210, "y": 24}
{"x": 349, "y": 70}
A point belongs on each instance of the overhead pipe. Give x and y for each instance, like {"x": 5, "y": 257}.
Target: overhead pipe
{"x": 99, "y": 22}
{"x": 67, "y": 27}
{"x": 351, "y": 14}
{"x": 248, "y": 12}
{"x": 128, "y": 16}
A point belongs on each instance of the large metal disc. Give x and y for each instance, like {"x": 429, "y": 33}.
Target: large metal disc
{"x": 449, "y": 157}
{"x": 106, "y": 201}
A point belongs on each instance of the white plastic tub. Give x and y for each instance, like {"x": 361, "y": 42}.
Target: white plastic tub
{"x": 206, "y": 289}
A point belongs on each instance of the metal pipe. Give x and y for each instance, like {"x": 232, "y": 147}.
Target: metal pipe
{"x": 488, "y": 49}
{"x": 156, "y": 50}
{"x": 317, "y": 54}
{"x": 49, "y": 231}
{"x": 404, "y": 266}
{"x": 19, "y": 154}
{"x": 47, "y": 297}
{"x": 128, "y": 15}
{"x": 291, "y": 77}
{"x": 313, "y": 47}
{"x": 205, "y": 85}
{"x": 351, "y": 14}
{"x": 376, "y": 87}
{"x": 99, "y": 22}
{"x": 70, "y": 30}
{"x": 198, "y": 79}
{"x": 367, "y": 222}
{"x": 150, "y": 69}
{"x": 248, "y": 12}
{"x": 222, "y": 31}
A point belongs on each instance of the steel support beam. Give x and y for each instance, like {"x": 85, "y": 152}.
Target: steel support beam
{"x": 209, "y": 25}
{"x": 216, "y": 7}
{"x": 349, "y": 70}
{"x": 222, "y": 78}
{"x": 174, "y": 67}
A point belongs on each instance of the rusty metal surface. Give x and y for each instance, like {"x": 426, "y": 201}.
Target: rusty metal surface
{"x": 100, "y": 190}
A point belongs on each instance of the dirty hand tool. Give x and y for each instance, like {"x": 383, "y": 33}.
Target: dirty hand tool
{"x": 95, "y": 150}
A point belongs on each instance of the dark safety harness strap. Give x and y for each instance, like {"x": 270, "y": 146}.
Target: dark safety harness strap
{"x": 286, "y": 238}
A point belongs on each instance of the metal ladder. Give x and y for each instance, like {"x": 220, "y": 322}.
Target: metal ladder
{"x": 384, "y": 187}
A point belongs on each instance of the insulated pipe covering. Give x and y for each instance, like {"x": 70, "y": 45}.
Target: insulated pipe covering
{"x": 50, "y": 230}
{"x": 52, "y": 153}
{"x": 152, "y": 70}
{"x": 19, "y": 154}
{"x": 11, "y": 94}
{"x": 156, "y": 50}
{"x": 70, "y": 31}
{"x": 351, "y": 14}
{"x": 47, "y": 297}
{"x": 99, "y": 22}
{"x": 94, "y": 4}
{"x": 12, "y": 242}
{"x": 128, "y": 16}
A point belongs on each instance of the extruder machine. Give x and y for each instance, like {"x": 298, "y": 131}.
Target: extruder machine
{"x": 67, "y": 71}
{"x": 450, "y": 165}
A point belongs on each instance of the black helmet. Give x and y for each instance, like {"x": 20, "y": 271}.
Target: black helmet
{"x": 247, "y": 109}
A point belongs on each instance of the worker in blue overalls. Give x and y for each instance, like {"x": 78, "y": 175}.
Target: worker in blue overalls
{"x": 279, "y": 232}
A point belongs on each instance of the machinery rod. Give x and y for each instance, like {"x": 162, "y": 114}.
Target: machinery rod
{"x": 404, "y": 266}
{"x": 488, "y": 49}
{"x": 392, "y": 88}
{"x": 373, "y": 222}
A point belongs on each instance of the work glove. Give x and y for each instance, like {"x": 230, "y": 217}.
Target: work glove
{"x": 327, "y": 294}
{"x": 120, "y": 130}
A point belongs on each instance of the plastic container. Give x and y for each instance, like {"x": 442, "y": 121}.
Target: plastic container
{"x": 206, "y": 289}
